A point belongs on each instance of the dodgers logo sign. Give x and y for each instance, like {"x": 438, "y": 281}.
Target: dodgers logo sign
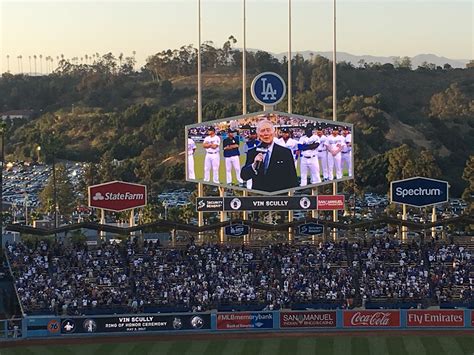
{"x": 237, "y": 230}
{"x": 268, "y": 89}
{"x": 310, "y": 229}
{"x": 419, "y": 191}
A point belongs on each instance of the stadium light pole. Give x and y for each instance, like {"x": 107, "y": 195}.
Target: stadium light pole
{"x": 199, "y": 109}
{"x": 290, "y": 109}
{"x": 244, "y": 90}
{"x": 334, "y": 104}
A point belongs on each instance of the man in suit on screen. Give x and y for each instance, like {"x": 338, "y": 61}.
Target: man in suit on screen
{"x": 270, "y": 166}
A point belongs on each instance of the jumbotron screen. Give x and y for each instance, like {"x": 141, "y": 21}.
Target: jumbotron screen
{"x": 269, "y": 152}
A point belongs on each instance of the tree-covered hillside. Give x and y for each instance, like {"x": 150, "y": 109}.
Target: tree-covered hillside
{"x": 109, "y": 110}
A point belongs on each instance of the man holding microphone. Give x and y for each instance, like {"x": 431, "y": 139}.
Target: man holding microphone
{"x": 270, "y": 166}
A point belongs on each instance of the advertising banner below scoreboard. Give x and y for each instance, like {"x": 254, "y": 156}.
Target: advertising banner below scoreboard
{"x": 330, "y": 202}
{"x": 316, "y": 319}
{"x": 128, "y": 324}
{"x": 269, "y": 203}
{"x": 239, "y": 321}
{"x": 379, "y": 319}
{"x": 209, "y": 204}
{"x": 435, "y": 318}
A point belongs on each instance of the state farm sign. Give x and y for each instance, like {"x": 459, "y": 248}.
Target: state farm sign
{"x": 330, "y": 202}
{"x": 371, "y": 319}
{"x": 117, "y": 196}
{"x": 435, "y": 318}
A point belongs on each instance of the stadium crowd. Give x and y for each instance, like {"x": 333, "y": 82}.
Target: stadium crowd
{"x": 71, "y": 279}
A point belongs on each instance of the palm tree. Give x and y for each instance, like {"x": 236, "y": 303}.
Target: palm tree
{"x": 87, "y": 57}
{"x": 41, "y": 63}
{"x": 34, "y": 57}
{"x": 8, "y": 63}
{"x": 29, "y": 60}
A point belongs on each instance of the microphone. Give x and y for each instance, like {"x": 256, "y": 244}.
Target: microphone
{"x": 261, "y": 148}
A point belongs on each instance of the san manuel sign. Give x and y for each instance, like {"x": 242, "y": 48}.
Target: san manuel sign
{"x": 419, "y": 191}
{"x": 117, "y": 196}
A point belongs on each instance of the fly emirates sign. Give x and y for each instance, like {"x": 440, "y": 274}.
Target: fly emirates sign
{"x": 117, "y": 196}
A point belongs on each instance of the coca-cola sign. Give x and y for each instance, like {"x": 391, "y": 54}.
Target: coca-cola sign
{"x": 435, "y": 318}
{"x": 117, "y": 196}
{"x": 372, "y": 318}
{"x": 308, "y": 319}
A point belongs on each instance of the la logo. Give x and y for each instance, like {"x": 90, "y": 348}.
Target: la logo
{"x": 267, "y": 89}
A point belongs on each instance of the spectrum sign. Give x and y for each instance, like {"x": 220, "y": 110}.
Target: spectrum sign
{"x": 419, "y": 191}
{"x": 117, "y": 196}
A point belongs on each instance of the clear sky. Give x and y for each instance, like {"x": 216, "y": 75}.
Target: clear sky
{"x": 376, "y": 27}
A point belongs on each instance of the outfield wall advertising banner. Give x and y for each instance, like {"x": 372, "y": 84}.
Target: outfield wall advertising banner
{"x": 367, "y": 318}
{"x": 129, "y": 324}
{"x": 239, "y": 321}
{"x": 472, "y": 319}
{"x": 435, "y": 318}
{"x": 269, "y": 153}
{"x": 316, "y": 319}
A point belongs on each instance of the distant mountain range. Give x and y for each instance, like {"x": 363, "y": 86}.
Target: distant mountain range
{"x": 354, "y": 59}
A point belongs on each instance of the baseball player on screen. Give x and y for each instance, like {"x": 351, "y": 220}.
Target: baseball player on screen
{"x": 335, "y": 143}
{"x": 286, "y": 141}
{"x": 232, "y": 156}
{"x": 347, "y": 150}
{"x": 307, "y": 146}
{"x": 191, "y": 150}
{"x": 212, "y": 160}
{"x": 323, "y": 152}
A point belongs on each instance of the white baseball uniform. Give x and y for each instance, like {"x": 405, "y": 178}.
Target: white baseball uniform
{"x": 334, "y": 160}
{"x": 232, "y": 160}
{"x": 309, "y": 161}
{"x": 323, "y": 156}
{"x": 347, "y": 153}
{"x": 212, "y": 159}
{"x": 291, "y": 144}
{"x": 191, "y": 149}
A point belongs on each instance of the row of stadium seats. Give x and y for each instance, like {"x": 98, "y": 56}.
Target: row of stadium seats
{"x": 52, "y": 278}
